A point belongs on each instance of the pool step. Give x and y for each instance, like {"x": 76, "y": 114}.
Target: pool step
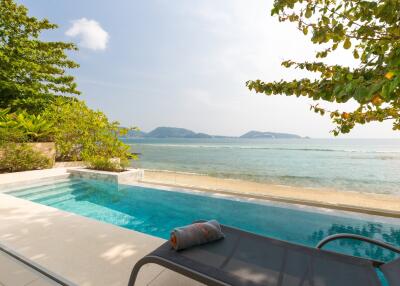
{"x": 25, "y": 193}
{"x": 56, "y": 199}
{"x": 56, "y": 192}
{"x": 56, "y": 189}
{"x": 16, "y": 190}
{"x": 8, "y": 187}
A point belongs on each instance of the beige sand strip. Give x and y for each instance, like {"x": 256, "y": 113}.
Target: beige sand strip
{"x": 378, "y": 204}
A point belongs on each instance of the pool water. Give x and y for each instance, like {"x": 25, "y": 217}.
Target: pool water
{"x": 156, "y": 212}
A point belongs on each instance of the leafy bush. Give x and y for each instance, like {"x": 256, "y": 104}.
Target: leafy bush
{"x": 36, "y": 128}
{"x": 12, "y": 135}
{"x": 22, "y": 127}
{"x": 84, "y": 134}
{"x": 8, "y": 132}
{"x": 21, "y": 157}
{"x": 106, "y": 164}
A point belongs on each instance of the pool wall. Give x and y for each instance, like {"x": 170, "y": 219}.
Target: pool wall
{"x": 125, "y": 177}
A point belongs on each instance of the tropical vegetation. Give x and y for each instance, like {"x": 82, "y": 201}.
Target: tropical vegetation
{"x": 81, "y": 133}
{"x": 368, "y": 29}
{"x": 38, "y": 100}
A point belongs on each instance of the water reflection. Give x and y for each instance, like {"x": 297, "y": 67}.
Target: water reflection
{"x": 360, "y": 248}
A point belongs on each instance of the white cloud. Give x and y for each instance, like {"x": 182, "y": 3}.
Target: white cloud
{"x": 91, "y": 34}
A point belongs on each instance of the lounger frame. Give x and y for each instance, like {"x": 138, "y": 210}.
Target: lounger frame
{"x": 174, "y": 267}
{"x": 202, "y": 278}
{"x": 338, "y": 236}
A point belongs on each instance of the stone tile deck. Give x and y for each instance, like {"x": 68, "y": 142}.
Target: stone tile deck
{"x": 15, "y": 273}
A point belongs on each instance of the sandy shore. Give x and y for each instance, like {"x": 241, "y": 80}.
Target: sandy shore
{"x": 378, "y": 204}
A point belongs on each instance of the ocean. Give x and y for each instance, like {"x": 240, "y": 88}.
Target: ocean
{"x": 362, "y": 165}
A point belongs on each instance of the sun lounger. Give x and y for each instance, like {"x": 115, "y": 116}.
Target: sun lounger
{"x": 247, "y": 259}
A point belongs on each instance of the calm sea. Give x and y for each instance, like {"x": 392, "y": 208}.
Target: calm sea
{"x": 365, "y": 165}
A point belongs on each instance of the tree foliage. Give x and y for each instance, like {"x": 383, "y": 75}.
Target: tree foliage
{"x": 32, "y": 71}
{"x": 36, "y": 102}
{"x": 370, "y": 30}
{"x": 84, "y": 134}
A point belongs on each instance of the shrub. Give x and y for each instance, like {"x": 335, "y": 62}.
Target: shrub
{"x": 11, "y": 135}
{"x": 85, "y": 134}
{"x": 21, "y": 157}
{"x": 36, "y": 127}
{"x": 24, "y": 127}
{"x": 106, "y": 164}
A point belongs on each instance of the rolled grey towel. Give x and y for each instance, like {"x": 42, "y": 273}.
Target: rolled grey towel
{"x": 195, "y": 234}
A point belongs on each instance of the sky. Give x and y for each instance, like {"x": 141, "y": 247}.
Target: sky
{"x": 184, "y": 63}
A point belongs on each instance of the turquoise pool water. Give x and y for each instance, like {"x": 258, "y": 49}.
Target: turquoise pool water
{"x": 156, "y": 212}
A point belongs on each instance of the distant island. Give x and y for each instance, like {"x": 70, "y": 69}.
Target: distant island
{"x": 174, "y": 132}
{"x": 269, "y": 135}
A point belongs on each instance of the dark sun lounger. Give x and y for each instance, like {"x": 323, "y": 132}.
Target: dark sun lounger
{"x": 247, "y": 259}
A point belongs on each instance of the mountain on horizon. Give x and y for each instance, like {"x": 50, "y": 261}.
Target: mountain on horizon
{"x": 269, "y": 135}
{"x": 174, "y": 132}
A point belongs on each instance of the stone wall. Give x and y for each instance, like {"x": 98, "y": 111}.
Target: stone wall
{"x": 48, "y": 149}
{"x": 125, "y": 177}
{"x": 70, "y": 164}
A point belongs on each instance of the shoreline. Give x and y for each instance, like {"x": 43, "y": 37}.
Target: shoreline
{"x": 369, "y": 203}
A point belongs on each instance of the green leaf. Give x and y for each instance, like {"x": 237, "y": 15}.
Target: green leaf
{"x": 308, "y": 13}
{"x": 347, "y": 44}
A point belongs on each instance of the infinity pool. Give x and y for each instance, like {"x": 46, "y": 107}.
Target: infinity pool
{"x": 156, "y": 211}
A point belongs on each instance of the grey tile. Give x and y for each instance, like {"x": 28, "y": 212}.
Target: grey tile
{"x": 15, "y": 273}
{"x": 43, "y": 282}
